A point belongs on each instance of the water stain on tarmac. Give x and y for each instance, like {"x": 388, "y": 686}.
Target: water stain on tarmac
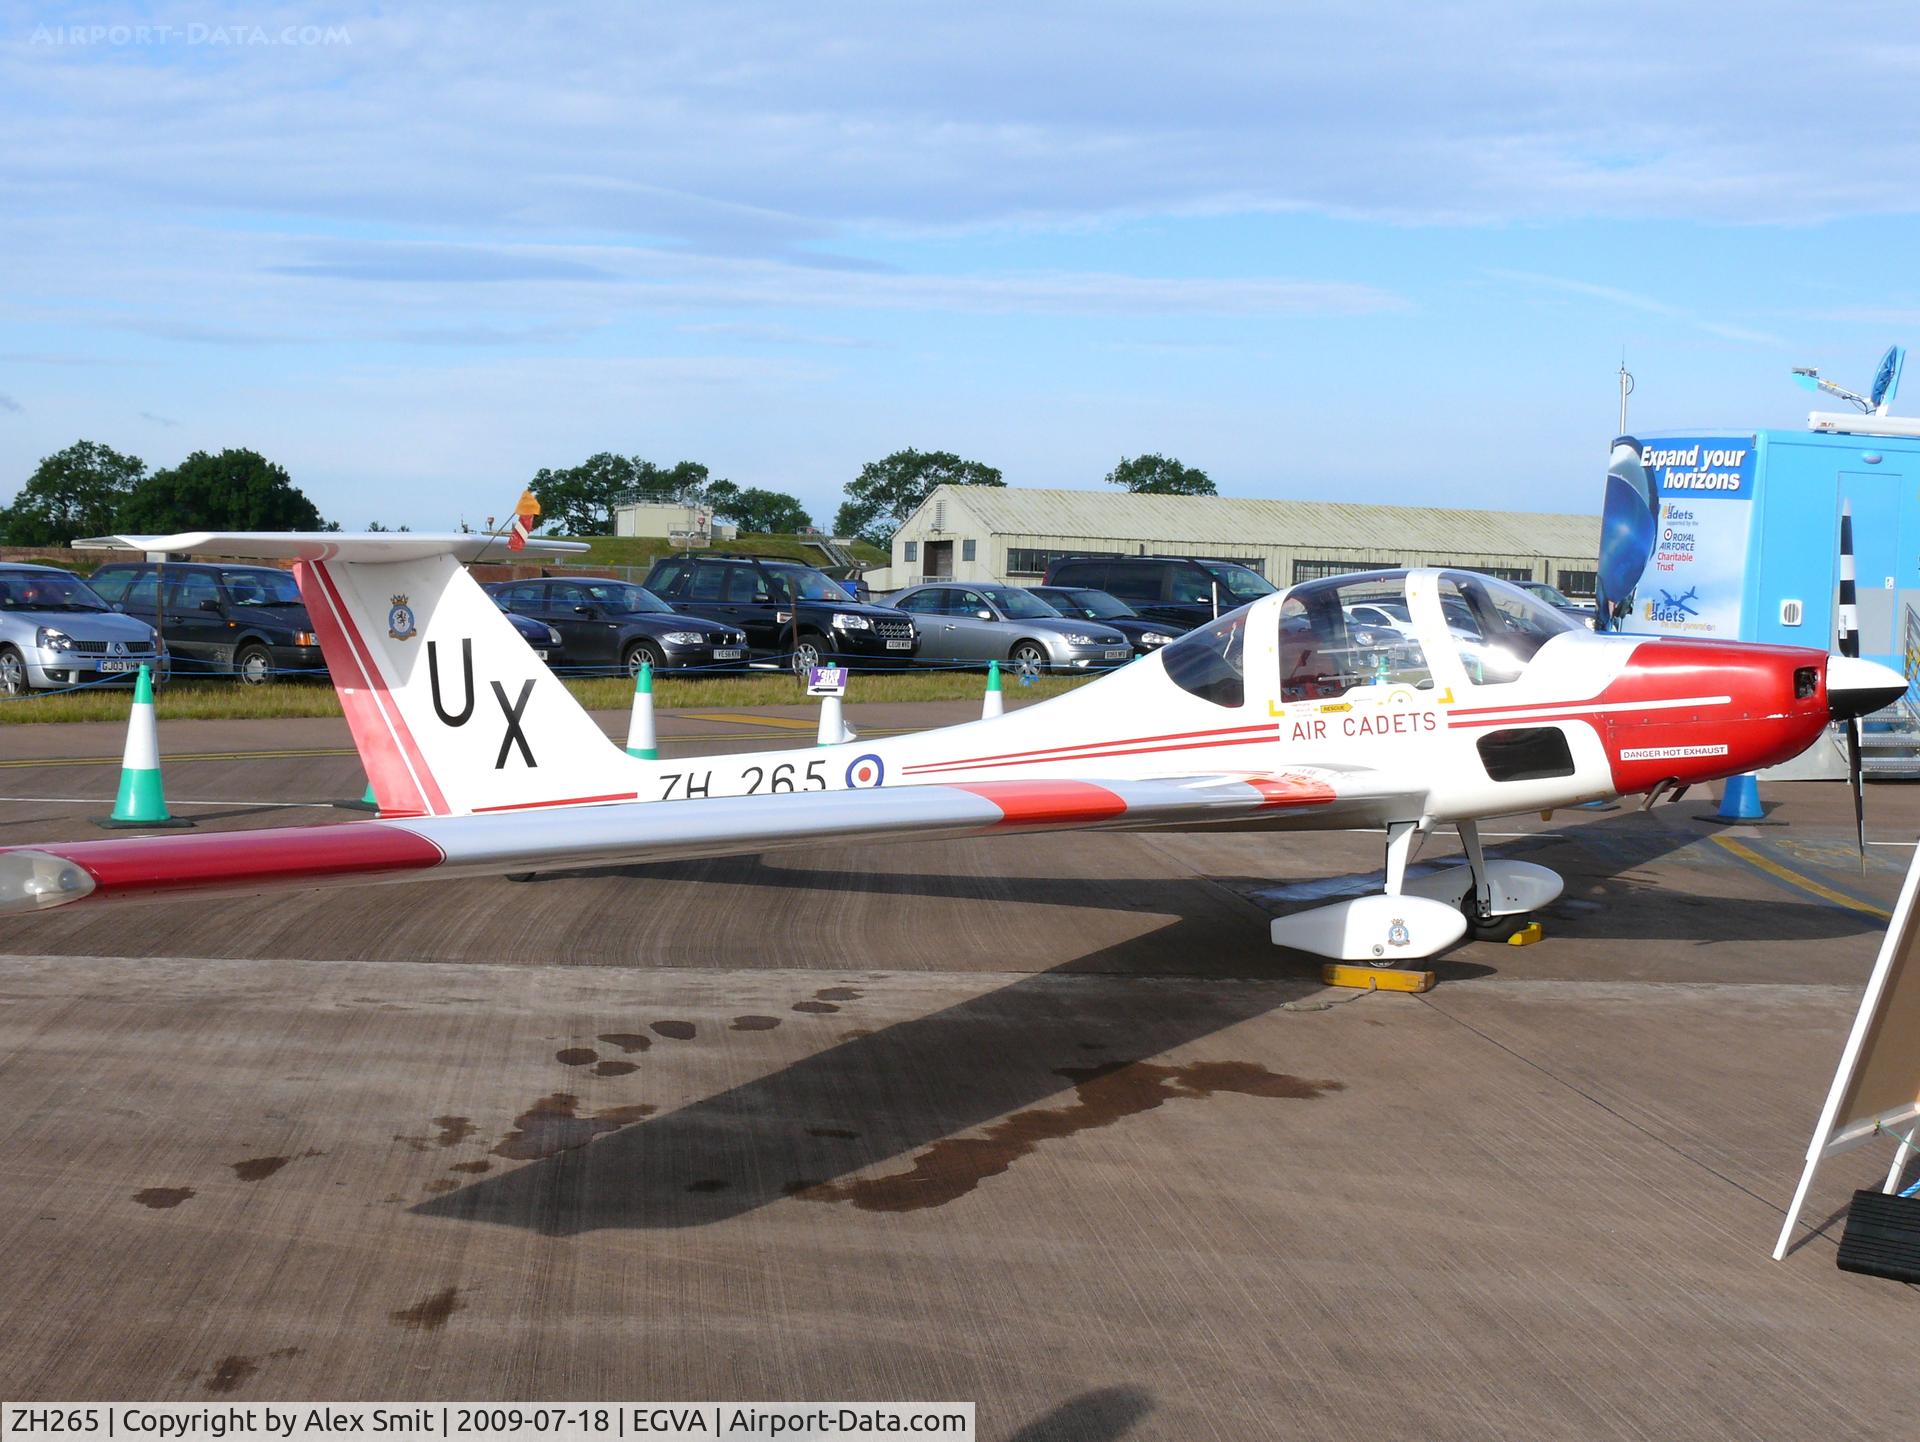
{"x": 627, "y": 1041}
{"x": 451, "y": 1132}
{"x": 675, "y": 1030}
{"x": 553, "y": 1124}
{"x": 709, "y": 1184}
{"x": 815, "y": 1008}
{"x": 576, "y": 1056}
{"x": 162, "y": 1197}
{"x": 838, "y": 1134}
{"x": 258, "y": 1169}
{"x": 838, "y": 993}
{"x": 431, "y": 1313}
{"x": 755, "y": 1023}
{"x": 229, "y": 1372}
{"x": 614, "y": 1068}
{"x": 441, "y": 1184}
{"x": 948, "y": 1170}
{"x": 483, "y": 1165}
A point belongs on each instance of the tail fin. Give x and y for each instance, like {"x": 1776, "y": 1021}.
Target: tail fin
{"x": 451, "y": 711}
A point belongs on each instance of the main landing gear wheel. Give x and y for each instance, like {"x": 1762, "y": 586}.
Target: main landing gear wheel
{"x": 1495, "y": 928}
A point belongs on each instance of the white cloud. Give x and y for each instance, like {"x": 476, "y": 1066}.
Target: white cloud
{"x": 9, "y": 405}
{"x": 1632, "y": 300}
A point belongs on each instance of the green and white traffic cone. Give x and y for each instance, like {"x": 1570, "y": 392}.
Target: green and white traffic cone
{"x": 641, "y": 739}
{"x": 995, "y": 704}
{"x": 369, "y": 802}
{"x": 142, "y": 801}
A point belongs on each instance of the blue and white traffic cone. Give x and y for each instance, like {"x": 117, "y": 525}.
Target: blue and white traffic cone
{"x": 641, "y": 740}
{"x": 1741, "y": 799}
{"x": 142, "y": 800}
{"x": 995, "y": 703}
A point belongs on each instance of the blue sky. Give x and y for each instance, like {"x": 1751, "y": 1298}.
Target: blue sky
{"x": 1365, "y": 252}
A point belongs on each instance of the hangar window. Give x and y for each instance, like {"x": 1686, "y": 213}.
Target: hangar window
{"x": 1507, "y": 573}
{"x": 1314, "y": 570}
{"x": 1208, "y": 661}
{"x": 912, "y": 551}
{"x": 1340, "y": 633}
{"x": 966, "y": 550}
{"x": 1582, "y": 584}
{"x": 1496, "y": 627}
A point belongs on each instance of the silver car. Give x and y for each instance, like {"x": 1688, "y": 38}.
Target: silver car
{"x": 56, "y": 631}
{"x": 982, "y": 623}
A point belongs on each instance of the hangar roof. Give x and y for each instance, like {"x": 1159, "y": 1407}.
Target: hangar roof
{"x": 1215, "y": 520}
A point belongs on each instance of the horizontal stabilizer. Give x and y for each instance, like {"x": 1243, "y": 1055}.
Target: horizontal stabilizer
{"x": 375, "y": 546}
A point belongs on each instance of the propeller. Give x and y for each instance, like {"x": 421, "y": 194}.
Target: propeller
{"x": 1849, "y": 626}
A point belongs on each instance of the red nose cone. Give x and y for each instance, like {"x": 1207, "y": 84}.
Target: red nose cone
{"x": 1696, "y": 710}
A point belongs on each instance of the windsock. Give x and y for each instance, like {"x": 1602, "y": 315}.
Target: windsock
{"x": 641, "y": 740}
{"x": 994, "y": 703}
{"x": 526, "y": 515}
{"x": 141, "y": 801}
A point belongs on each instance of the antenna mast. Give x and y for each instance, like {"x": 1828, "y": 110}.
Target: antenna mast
{"x": 1626, "y": 389}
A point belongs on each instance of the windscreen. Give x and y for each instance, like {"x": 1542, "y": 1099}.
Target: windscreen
{"x": 261, "y": 588}
{"x": 1244, "y": 583}
{"x": 810, "y": 585}
{"x": 1347, "y": 631}
{"x": 46, "y": 591}
{"x": 1098, "y": 605}
{"x": 1207, "y": 661}
{"x": 1496, "y": 627}
{"x": 623, "y": 597}
{"x": 1019, "y": 605}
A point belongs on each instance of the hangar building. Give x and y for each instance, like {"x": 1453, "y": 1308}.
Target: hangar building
{"x": 993, "y": 533}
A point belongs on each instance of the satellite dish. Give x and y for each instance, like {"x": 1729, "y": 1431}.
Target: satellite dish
{"x": 1886, "y": 379}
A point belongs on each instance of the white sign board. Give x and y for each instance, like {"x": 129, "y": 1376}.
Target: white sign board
{"x": 1876, "y": 1090}
{"x": 826, "y": 680}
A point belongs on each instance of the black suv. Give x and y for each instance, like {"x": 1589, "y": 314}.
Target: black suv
{"x": 785, "y": 608}
{"x": 1183, "y": 589}
{"x": 246, "y": 621}
{"x": 606, "y": 624}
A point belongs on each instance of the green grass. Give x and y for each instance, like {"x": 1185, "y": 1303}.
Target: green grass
{"x": 230, "y": 701}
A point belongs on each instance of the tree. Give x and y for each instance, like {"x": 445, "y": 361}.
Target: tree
{"x": 580, "y": 500}
{"x": 237, "y": 490}
{"x": 887, "y": 491}
{"x": 1156, "y": 475}
{"x": 758, "y": 510}
{"x": 722, "y": 497}
{"x": 75, "y": 492}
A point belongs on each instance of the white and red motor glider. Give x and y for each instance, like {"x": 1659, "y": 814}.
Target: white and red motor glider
{"x": 1398, "y": 700}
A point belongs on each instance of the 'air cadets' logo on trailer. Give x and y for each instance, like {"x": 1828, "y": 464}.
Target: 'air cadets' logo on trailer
{"x": 400, "y": 620}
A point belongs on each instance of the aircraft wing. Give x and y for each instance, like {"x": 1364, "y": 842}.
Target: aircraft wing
{"x": 307, "y": 857}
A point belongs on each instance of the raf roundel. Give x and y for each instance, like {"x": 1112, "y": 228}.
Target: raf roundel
{"x": 864, "y": 771}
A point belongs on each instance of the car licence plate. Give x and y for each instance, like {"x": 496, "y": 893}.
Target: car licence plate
{"x": 899, "y": 645}
{"x": 1118, "y": 655}
{"x": 119, "y": 666}
{"x": 731, "y": 654}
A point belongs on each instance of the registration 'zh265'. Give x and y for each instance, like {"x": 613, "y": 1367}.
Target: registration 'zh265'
{"x": 780, "y": 776}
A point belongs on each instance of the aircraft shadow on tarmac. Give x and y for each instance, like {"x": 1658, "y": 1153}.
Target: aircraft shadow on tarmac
{"x": 960, "y": 1095}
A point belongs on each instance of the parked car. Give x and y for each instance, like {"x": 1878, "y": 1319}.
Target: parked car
{"x": 542, "y": 638}
{"x": 55, "y": 631}
{"x": 1581, "y": 613}
{"x": 614, "y": 625}
{"x": 785, "y": 609}
{"x": 1182, "y": 589}
{"x": 1083, "y": 605}
{"x": 245, "y": 621}
{"x": 985, "y": 623}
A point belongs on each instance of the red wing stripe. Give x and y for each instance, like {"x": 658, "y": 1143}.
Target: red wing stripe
{"x": 1291, "y": 791}
{"x": 1087, "y": 755}
{"x": 230, "y": 859}
{"x": 1095, "y": 747}
{"x": 565, "y": 801}
{"x": 1048, "y": 803}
